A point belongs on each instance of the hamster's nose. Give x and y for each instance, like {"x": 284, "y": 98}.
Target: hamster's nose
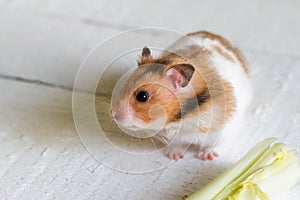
{"x": 113, "y": 114}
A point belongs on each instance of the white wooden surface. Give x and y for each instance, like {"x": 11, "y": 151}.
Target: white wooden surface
{"x": 41, "y": 154}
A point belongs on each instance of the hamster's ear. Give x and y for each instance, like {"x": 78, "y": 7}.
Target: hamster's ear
{"x": 180, "y": 75}
{"x": 146, "y": 56}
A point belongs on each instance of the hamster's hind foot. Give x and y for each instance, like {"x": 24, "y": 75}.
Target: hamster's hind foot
{"x": 206, "y": 154}
{"x": 175, "y": 152}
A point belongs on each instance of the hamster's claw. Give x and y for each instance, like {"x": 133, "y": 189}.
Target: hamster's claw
{"x": 206, "y": 154}
{"x": 175, "y": 152}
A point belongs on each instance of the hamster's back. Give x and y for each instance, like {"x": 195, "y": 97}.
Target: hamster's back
{"x": 226, "y": 60}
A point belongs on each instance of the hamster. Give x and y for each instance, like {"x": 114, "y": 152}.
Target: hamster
{"x": 194, "y": 91}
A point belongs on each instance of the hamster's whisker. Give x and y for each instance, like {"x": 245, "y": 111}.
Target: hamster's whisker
{"x": 153, "y": 143}
{"x": 164, "y": 139}
{"x": 103, "y": 87}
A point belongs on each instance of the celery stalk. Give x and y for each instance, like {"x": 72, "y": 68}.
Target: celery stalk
{"x": 266, "y": 170}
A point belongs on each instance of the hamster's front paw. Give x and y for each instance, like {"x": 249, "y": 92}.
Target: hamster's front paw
{"x": 175, "y": 152}
{"x": 206, "y": 154}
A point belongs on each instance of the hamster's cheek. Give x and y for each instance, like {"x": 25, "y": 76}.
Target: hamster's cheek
{"x": 130, "y": 119}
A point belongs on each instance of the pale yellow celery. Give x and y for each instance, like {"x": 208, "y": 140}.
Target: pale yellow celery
{"x": 214, "y": 187}
{"x": 265, "y": 159}
{"x": 265, "y": 171}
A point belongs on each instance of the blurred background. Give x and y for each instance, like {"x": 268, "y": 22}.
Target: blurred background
{"x": 42, "y": 45}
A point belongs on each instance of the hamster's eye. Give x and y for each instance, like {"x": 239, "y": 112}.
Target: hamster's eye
{"x": 142, "y": 96}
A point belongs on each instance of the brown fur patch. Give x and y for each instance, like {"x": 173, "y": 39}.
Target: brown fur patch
{"x": 191, "y": 104}
{"x": 226, "y": 44}
{"x": 223, "y": 53}
{"x": 217, "y": 109}
{"x": 230, "y": 100}
{"x": 162, "y": 102}
{"x": 203, "y": 129}
{"x": 225, "y": 104}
